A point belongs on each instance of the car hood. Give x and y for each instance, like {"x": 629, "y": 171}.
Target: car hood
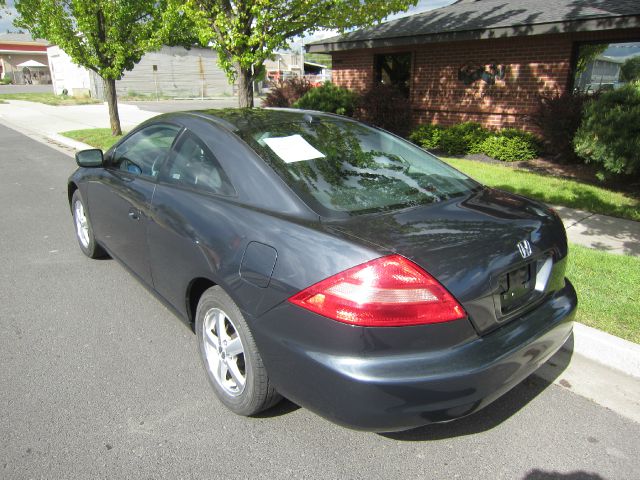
{"x": 465, "y": 243}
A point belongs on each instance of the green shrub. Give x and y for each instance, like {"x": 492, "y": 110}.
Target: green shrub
{"x": 427, "y": 136}
{"x": 533, "y": 140}
{"x": 509, "y": 144}
{"x": 329, "y": 98}
{"x": 509, "y": 148}
{"x": 609, "y": 134}
{"x": 5, "y": 81}
{"x": 463, "y": 138}
{"x": 452, "y": 143}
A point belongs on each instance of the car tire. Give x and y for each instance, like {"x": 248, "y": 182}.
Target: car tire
{"x": 230, "y": 357}
{"x": 83, "y": 229}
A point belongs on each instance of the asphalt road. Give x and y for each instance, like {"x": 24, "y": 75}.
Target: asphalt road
{"x": 99, "y": 380}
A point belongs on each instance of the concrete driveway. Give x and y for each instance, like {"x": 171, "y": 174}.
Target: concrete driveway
{"x": 98, "y": 380}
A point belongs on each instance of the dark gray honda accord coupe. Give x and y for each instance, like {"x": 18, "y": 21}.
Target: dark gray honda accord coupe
{"x": 330, "y": 262}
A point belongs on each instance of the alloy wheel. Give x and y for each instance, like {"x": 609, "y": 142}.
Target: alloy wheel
{"x": 224, "y": 352}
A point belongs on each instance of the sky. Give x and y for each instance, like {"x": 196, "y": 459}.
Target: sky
{"x": 9, "y": 13}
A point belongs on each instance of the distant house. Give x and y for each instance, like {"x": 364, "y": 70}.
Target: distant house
{"x": 602, "y": 73}
{"x": 285, "y": 65}
{"x": 23, "y": 59}
{"x": 316, "y": 72}
{"x": 169, "y": 72}
{"x": 480, "y": 60}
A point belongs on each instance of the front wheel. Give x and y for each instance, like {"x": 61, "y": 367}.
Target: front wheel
{"x": 230, "y": 356}
{"x": 84, "y": 232}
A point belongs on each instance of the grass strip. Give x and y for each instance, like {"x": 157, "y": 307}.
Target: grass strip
{"x": 608, "y": 287}
{"x": 551, "y": 189}
{"x": 48, "y": 98}
{"x": 96, "y": 137}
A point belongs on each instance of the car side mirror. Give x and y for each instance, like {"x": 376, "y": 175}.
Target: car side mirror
{"x": 89, "y": 158}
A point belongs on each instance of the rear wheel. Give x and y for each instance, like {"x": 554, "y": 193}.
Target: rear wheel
{"x": 84, "y": 232}
{"x": 230, "y": 356}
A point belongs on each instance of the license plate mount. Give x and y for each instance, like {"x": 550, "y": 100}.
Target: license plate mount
{"x": 516, "y": 288}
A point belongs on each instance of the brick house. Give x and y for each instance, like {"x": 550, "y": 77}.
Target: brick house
{"x": 481, "y": 60}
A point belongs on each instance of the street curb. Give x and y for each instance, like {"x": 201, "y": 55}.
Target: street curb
{"x": 606, "y": 349}
{"x": 68, "y": 142}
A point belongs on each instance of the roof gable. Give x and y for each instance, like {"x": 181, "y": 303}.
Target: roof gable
{"x": 479, "y": 18}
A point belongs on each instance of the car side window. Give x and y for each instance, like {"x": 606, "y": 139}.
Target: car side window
{"x": 143, "y": 152}
{"x": 192, "y": 165}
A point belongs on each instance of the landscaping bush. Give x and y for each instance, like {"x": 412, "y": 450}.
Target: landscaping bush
{"x": 463, "y": 138}
{"x": 610, "y": 131}
{"x": 5, "y": 81}
{"x": 509, "y": 148}
{"x": 558, "y": 117}
{"x": 427, "y": 136}
{"x": 329, "y": 98}
{"x": 452, "y": 143}
{"x": 286, "y": 93}
{"x": 386, "y": 107}
{"x": 509, "y": 144}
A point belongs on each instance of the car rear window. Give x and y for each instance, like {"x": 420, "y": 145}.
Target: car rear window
{"x": 346, "y": 166}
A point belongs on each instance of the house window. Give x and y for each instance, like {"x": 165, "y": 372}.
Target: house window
{"x": 606, "y": 66}
{"x": 394, "y": 69}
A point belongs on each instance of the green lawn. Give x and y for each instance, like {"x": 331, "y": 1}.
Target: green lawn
{"x": 48, "y": 98}
{"x": 550, "y": 189}
{"x": 96, "y": 137}
{"x": 608, "y": 287}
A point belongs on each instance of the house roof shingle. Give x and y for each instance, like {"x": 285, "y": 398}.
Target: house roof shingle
{"x": 490, "y": 18}
{"x": 20, "y": 37}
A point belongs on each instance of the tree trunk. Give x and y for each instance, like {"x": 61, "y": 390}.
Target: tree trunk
{"x": 112, "y": 101}
{"x": 245, "y": 87}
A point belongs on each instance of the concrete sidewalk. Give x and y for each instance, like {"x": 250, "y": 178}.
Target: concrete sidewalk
{"x": 46, "y": 120}
{"x": 609, "y": 234}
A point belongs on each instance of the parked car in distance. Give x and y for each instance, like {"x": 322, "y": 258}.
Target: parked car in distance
{"x": 330, "y": 262}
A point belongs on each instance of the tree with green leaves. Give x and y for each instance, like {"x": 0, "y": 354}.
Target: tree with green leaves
{"x": 106, "y": 36}
{"x": 245, "y": 33}
{"x": 630, "y": 70}
{"x": 588, "y": 53}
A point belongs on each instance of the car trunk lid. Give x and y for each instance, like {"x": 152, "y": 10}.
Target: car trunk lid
{"x": 497, "y": 253}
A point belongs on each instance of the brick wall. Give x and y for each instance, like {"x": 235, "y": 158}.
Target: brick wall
{"x": 537, "y": 65}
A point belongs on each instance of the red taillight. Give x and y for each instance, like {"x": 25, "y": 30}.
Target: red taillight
{"x": 386, "y": 292}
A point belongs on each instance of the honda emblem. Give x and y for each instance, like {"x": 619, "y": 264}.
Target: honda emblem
{"x": 524, "y": 247}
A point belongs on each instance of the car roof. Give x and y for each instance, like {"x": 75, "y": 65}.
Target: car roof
{"x": 250, "y": 119}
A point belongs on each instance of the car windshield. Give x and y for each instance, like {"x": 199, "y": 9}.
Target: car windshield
{"x": 346, "y": 166}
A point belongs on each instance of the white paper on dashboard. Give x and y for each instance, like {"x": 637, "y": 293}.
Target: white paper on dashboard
{"x": 293, "y": 148}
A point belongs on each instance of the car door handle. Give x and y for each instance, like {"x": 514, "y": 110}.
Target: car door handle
{"x": 134, "y": 214}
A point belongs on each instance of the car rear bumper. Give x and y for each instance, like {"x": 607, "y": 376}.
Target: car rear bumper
{"x": 398, "y": 391}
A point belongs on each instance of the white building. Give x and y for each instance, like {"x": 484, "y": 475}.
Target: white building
{"x": 169, "y": 72}
{"x": 69, "y": 77}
